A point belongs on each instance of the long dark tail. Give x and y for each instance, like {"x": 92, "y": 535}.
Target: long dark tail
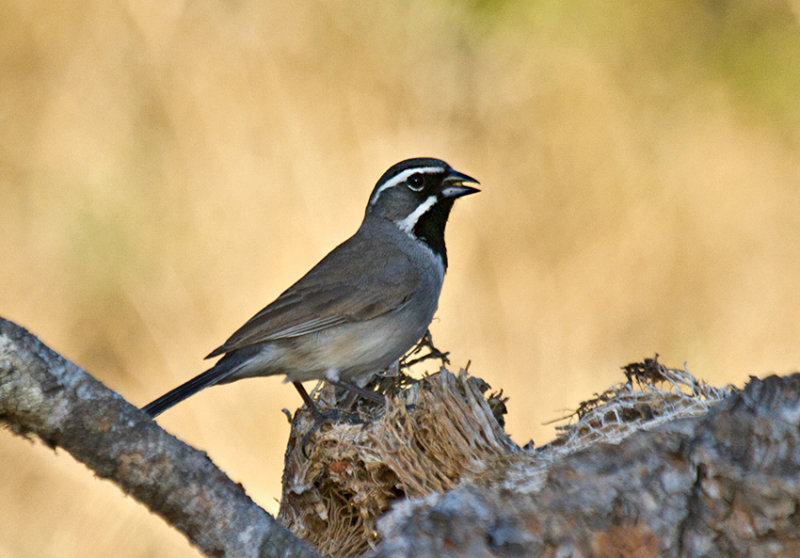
{"x": 175, "y": 396}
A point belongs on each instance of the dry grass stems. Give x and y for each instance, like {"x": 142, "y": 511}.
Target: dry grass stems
{"x": 446, "y": 430}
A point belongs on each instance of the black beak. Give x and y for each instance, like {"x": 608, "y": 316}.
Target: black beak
{"x": 454, "y": 185}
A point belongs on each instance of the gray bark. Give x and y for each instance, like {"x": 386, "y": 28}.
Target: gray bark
{"x": 723, "y": 483}
{"x": 44, "y": 395}
{"x": 726, "y": 483}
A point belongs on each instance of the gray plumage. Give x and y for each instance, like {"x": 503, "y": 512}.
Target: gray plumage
{"x": 364, "y": 304}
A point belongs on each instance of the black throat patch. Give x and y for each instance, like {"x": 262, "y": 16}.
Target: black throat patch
{"x": 429, "y": 228}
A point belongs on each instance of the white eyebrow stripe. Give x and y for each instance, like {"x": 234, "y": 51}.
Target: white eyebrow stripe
{"x": 408, "y": 223}
{"x": 400, "y": 178}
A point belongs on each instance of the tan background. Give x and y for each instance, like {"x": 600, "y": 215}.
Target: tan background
{"x": 167, "y": 168}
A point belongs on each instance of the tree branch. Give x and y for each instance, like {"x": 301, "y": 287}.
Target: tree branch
{"x": 724, "y": 483}
{"x": 706, "y": 471}
{"x": 43, "y": 394}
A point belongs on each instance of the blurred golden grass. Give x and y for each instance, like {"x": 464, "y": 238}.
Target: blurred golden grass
{"x": 167, "y": 169}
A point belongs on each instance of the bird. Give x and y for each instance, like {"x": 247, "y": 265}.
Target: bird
{"x": 363, "y": 306}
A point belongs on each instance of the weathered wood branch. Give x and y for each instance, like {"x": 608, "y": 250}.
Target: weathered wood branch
{"x": 43, "y": 394}
{"x": 722, "y": 484}
{"x": 693, "y": 471}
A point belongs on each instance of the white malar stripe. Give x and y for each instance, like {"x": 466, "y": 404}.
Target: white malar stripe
{"x": 401, "y": 178}
{"x": 408, "y": 223}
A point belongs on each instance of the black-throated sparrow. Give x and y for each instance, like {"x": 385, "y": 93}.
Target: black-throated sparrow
{"x": 364, "y": 305}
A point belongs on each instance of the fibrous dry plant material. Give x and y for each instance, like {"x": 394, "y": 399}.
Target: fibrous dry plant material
{"x": 651, "y": 395}
{"x": 718, "y": 484}
{"x": 443, "y": 432}
{"x": 427, "y": 439}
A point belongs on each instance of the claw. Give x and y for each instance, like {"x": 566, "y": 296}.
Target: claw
{"x": 320, "y": 418}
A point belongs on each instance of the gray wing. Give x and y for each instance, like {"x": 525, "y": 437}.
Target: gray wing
{"x": 343, "y": 287}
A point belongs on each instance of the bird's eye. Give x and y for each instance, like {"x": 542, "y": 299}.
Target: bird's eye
{"x": 415, "y": 182}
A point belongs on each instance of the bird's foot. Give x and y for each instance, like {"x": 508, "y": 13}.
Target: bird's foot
{"x": 320, "y": 418}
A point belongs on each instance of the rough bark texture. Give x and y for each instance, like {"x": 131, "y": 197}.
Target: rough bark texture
{"x": 45, "y": 395}
{"x": 694, "y": 471}
{"x": 436, "y": 434}
{"x": 726, "y": 483}
{"x": 444, "y": 435}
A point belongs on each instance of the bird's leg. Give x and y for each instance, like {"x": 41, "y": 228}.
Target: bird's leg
{"x": 319, "y": 417}
{"x": 365, "y": 393}
{"x": 307, "y": 399}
